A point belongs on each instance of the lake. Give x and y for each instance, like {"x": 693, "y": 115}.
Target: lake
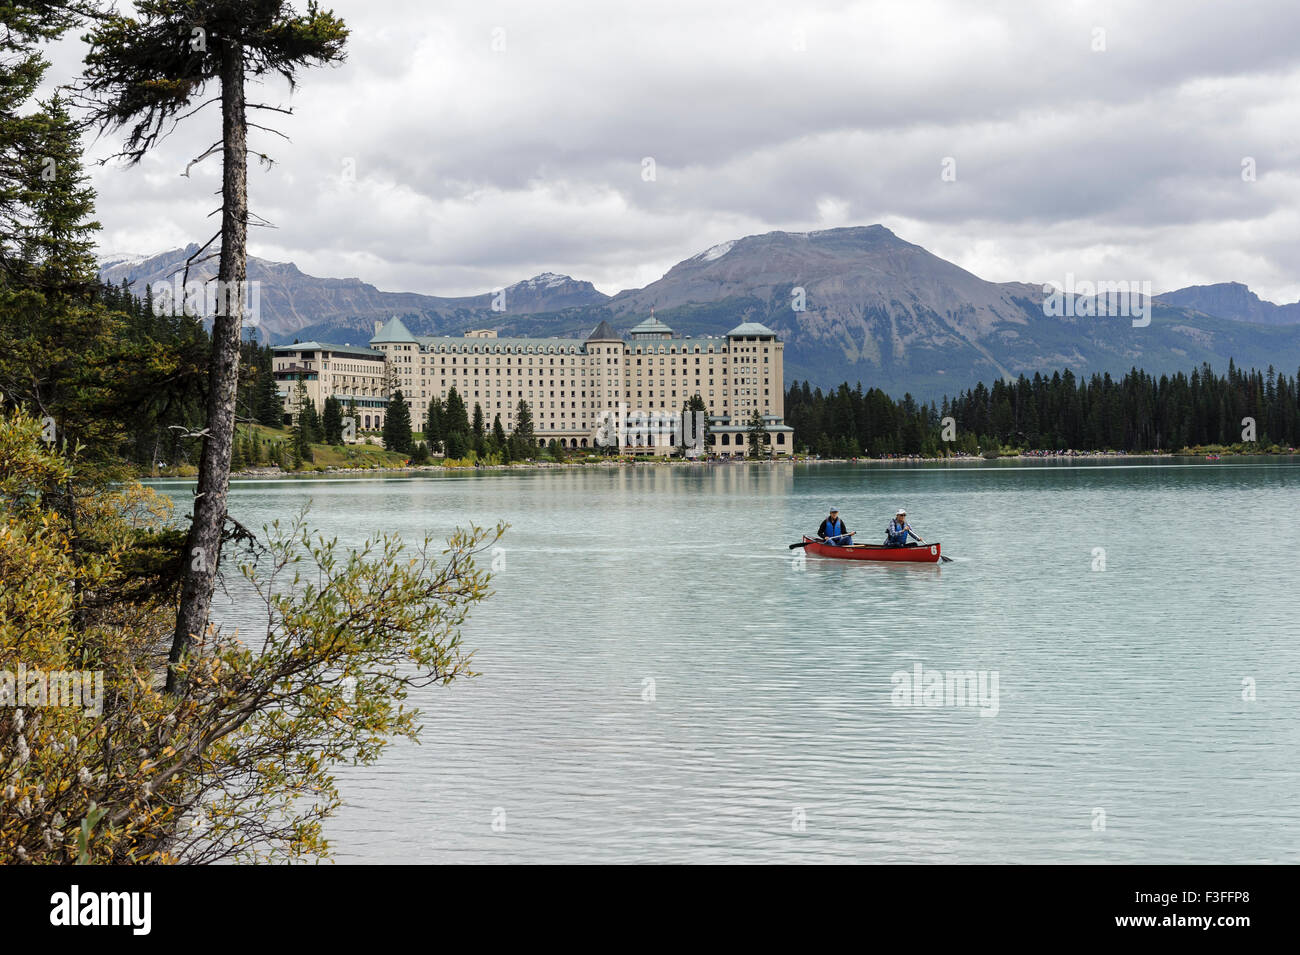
{"x": 663, "y": 680}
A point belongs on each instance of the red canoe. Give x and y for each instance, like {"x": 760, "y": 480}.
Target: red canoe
{"x": 914, "y": 553}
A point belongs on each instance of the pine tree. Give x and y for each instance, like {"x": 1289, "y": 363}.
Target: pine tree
{"x": 302, "y": 407}
{"x": 332, "y": 423}
{"x": 523, "y": 440}
{"x": 758, "y": 435}
{"x": 267, "y": 406}
{"x": 312, "y": 425}
{"x": 455, "y": 417}
{"x": 145, "y": 73}
{"x": 457, "y": 446}
{"x": 455, "y": 422}
{"x": 26, "y": 26}
{"x": 60, "y": 337}
{"x": 306, "y": 426}
{"x": 479, "y": 430}
{"x": 397, "y": 424}
{"x": 434, "y": 431}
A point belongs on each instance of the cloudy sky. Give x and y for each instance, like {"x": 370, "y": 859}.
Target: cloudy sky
{"x": 467, "y": 144}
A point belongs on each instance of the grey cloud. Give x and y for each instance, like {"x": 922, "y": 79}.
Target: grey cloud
{"x": 477, "y": 168}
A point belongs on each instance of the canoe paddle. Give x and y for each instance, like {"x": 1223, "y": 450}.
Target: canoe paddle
{"x": 941, "y": 556}
{"x": 806, "y": 543}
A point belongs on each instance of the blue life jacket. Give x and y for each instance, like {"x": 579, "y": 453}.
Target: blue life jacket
{"x": 834, "y": 528}
{"x": 896, "y": 534}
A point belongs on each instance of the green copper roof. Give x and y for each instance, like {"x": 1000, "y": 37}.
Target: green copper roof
{"x": 394, "y": 331}
{"x": 750, "y": 328}
{"x": 651, "y": 326}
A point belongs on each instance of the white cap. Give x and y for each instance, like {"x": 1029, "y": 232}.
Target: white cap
{"x": 899, "y": 511}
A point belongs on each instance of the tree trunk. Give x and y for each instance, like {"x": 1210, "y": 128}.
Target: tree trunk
{"x": 203, "y": 549}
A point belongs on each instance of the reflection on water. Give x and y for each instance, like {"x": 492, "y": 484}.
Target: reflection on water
{"x": 664, "y": 680}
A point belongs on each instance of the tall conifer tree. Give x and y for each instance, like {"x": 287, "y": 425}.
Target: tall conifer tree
{"x": 145, "y": 73}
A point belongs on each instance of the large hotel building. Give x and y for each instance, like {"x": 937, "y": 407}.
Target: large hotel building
{"x": 571, "y": 385}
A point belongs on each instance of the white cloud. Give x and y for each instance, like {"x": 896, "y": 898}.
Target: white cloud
{"x": 475, "y": 168}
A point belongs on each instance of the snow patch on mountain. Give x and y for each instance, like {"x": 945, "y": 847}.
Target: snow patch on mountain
{"x": 717, "y": 252}
{"x": 109, "y": 259}
{"x": 545, "y": 280}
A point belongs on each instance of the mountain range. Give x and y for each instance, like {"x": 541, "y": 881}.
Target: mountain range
{"x": 876, "y": 309}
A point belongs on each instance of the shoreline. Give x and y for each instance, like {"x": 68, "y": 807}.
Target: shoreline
{"x": 275, "y": 472}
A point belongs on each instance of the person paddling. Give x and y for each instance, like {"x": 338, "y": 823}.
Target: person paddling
{"x": 834, "y": 532}
{"x": 898, "y": 529}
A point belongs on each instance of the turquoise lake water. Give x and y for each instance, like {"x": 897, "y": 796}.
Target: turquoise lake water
{"x": 663, "y": 680}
